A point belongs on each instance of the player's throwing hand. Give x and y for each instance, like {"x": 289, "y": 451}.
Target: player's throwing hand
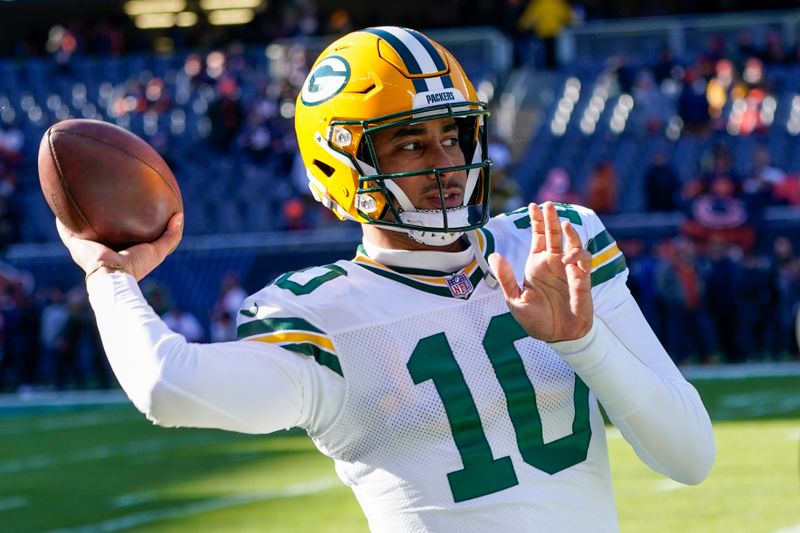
{"x": 555, "y": 301}
{"x": 138, "y": 260}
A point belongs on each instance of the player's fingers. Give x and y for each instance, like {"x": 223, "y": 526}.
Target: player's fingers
{"x": 573, "y": 239}
{"x": 505, "y": 276}
{"x": 579, "y": 257}
{"x": 171, "y": 237}
{"x": 63, "y": 231}
{"x": 552, "y": 229}
{"x": 538, "y": 239}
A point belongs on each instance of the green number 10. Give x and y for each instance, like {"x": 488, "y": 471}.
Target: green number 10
{"x": 483, "y": 474}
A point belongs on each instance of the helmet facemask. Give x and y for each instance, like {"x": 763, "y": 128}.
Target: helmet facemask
{"x": 381, "y": 201}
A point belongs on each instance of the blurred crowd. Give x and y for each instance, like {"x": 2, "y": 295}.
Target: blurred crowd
{"x": 49, "y": 340}
{"x": 720, "y": 289}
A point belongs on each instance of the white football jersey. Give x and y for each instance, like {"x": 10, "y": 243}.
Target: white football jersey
{"x": 453, "y": 419}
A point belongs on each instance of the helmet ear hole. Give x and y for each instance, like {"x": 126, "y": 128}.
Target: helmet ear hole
{"x": 363, "y": 153}
{"x": 324, "y": 167}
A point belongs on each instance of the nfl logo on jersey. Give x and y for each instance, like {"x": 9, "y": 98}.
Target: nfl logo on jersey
{"x": 460, "y": 285}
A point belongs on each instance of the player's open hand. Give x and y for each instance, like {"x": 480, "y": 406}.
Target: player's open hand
{"x": 138, "y": 260}
{"x": 555, "y": 301}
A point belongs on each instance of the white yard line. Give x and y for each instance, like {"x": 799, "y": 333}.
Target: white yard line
{"x": 63, "y": 399}
{"x": 65, "y": 421}
{"x": 14, "y": 502}
{"x": 38, "y": 462}
{"x": 180, "y": 511}
{"x": 790, "y": 529}
{"x": 742, "y": 370}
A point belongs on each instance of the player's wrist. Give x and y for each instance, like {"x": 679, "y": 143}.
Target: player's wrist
{"x": 106, "y": 267}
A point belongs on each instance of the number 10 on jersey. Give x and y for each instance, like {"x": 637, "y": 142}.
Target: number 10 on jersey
{"x": 482, "y": 474}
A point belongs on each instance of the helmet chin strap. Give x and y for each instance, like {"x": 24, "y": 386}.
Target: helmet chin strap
{"x": 428, "y": 218}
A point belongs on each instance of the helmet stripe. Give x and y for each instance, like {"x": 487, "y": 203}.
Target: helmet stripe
{"x": 421, "y": 54}
{"x": 405, "y": 54}
{"x": 418, "y": 54}
{"x": 433, "y": 52}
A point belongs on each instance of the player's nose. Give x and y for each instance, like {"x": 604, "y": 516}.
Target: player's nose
{"x": 441, "y": 158}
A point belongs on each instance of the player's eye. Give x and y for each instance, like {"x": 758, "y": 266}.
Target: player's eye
{"x": 450, "y": 141}
{"x": 410, "y": 146}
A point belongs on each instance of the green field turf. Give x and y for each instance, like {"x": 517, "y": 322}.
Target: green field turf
{"x": 104, "y": 468}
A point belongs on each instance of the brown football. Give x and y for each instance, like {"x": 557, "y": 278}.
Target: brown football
{"x": 106, "y": 184}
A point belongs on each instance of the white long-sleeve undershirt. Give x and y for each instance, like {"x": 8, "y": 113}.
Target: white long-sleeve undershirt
{"x": 250, "y": 387}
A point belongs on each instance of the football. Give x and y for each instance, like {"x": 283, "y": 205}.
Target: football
{"x": 106, "y": 184}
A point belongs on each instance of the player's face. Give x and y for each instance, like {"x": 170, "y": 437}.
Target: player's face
{"x": 424, "y": 145}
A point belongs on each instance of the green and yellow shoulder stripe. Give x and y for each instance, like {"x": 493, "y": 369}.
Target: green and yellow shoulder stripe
{"x": 292, "y": 333}
{"x": 607, "y": 258}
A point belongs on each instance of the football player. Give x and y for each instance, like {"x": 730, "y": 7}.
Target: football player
{"x": 455, "y": 367}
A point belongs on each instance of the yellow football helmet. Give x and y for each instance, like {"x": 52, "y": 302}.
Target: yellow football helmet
{"x": 379, "y": 78}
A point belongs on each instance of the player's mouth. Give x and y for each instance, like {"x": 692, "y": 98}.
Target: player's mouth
{"x": 452, "y": 197}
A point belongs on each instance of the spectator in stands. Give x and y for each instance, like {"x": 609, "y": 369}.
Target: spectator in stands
{"x": 665, "y": 67}
{"x": 12, "y": 142}
{"x": 693, "y": 103}
{"x": 222, "y": 327}
{"x": 652, "y": 109}
{"x": 53, "y": 320}
{"x": 662, "y": 184}
{"x": 80, "y": 360}
{"x": 231, "y": 295}
{"x": 643, "y": 266}
{"x": 62, "y": 43}
{"x": 546, "y": 19}
{"x": 602, "y": 194}
{"x": 788, "y": 273}
{"x": 787, "y": 192}
{"x": 557, "y": 187}
{"x": 759, "y": 188}
{"x": 226, "y": 114}
{"x": 723, "y": 273}
{"x": 25, "y": 338}
{"x": 758, "y": 304}
{"x": 19, "y": 359}
{"x": 506, "y": 195}
{"x": 720, "y": 214}
{"x": 689, "y": 333}
{"x": 185, "y": 323}
{"x": 9, "y": 224}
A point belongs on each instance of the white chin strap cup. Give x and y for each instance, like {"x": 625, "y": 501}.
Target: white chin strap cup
{"x": 434, "y": 218}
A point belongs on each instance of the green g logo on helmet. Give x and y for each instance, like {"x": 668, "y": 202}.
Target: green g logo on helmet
{"x": 326, "y": 80}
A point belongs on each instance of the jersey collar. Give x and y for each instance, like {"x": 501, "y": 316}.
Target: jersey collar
{"x": 429, "y": 271}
